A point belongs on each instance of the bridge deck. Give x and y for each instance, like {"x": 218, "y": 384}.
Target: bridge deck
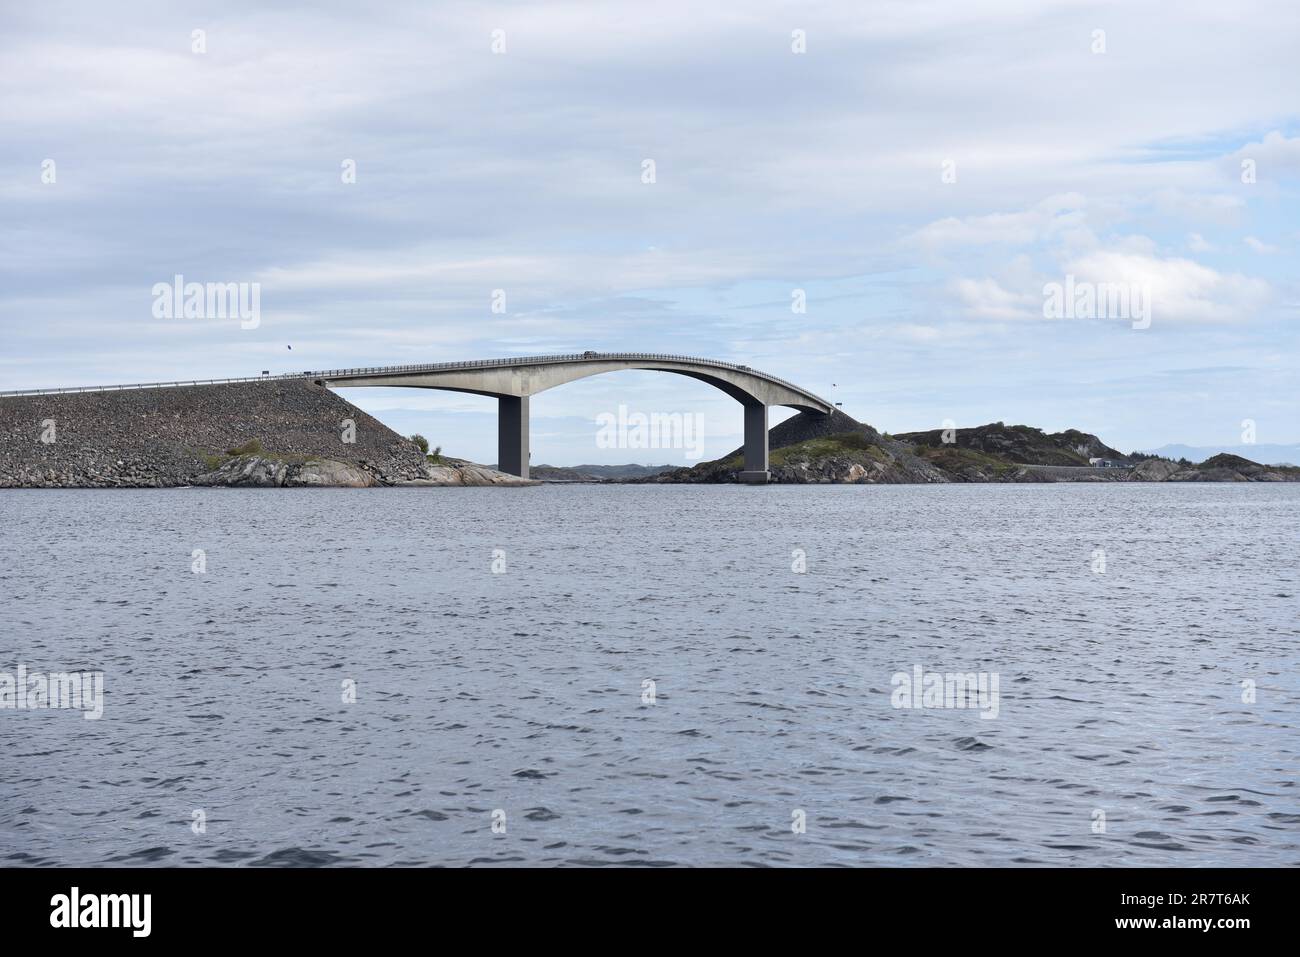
{"x": 337, "y": 375}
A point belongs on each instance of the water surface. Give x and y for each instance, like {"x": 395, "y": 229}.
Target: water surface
{"x": 522, "y": 691}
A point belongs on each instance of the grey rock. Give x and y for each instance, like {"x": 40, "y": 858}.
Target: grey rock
{"x": 1153, "y": 470}
{"x": 247, "y": 471}
{"x": 465, "y": 473}
{"x": 327, "y": 474}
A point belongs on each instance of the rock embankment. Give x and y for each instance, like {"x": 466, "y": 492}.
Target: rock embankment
{"x": 277, "y": 433}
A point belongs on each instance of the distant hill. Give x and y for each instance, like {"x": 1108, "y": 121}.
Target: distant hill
{"x": 595, "y": 473}
{"x": 1268, "y": 454}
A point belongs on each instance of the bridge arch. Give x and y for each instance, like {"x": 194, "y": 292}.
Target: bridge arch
{"x": 514, "y": 381}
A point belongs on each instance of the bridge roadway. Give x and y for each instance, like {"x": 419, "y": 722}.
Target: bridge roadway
{"x": 514, "y": 381}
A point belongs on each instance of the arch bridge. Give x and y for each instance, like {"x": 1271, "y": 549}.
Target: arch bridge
{"x": 514, "y": 381}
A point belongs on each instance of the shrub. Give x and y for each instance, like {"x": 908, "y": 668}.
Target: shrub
{"x": 422, "y": 442}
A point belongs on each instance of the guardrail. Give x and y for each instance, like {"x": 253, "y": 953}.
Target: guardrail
{"x": 544, "y": 360}
{"x": 72, "y": 390}
{"x": 360, "y": 372}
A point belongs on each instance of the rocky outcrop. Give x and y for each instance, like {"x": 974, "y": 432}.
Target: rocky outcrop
{"x": 327, "y": 474}
{"x": 458, "y": 472}
{"x": 1153, "y": 470}
{"x": 254, "y": 471}
{"x": 246, "y": 471}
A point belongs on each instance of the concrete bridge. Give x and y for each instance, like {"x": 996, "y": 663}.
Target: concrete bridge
{"x": 514, "y": 381}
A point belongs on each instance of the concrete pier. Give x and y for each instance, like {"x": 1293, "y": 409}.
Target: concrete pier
{"x": 756, "y": 472}
{"x": 512, "y": 434}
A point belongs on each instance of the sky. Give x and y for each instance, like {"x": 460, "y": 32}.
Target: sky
{"x": 918, "y": 174}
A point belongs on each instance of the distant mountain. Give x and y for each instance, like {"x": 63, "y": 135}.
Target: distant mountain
{"x": 594, "y": 473}
{"x": 1268, "y": 454}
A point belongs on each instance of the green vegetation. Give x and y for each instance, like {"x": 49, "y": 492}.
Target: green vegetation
{"x": 954, "y": 459}
{"x": 251, "y": 447}
{"x": 852, "y": 445}
{"x": 422, "y": 442}
{"x": 214, "y": 460}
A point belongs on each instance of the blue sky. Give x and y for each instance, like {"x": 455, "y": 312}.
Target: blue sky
{"x": 775, "y": 171}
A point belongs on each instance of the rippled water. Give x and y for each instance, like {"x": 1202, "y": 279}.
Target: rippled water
{"x": 522, "y": 691}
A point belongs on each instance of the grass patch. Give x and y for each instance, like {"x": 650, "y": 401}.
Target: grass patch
{"x": 214, "y": 460}
{"x": 852, "y": 445}
{"x": 251, "y": 447}
{"x": 952, "y": 458}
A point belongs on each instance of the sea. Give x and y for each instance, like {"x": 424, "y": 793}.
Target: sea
{"x": 652, "y": 676}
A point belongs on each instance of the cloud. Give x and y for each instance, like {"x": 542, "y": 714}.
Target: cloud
{"x": 1276, "y": 156}
{"x": 1180, "y": 290}
{"x": 987, "y": 299}
{"x": 1259, "y": 245}
{"x": 1046, "y": 220}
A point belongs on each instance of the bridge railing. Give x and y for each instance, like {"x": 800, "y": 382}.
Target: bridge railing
{"x": 72, "y": 390}
{"x": 544, "y": 360}
{"x": 363, "y": 371}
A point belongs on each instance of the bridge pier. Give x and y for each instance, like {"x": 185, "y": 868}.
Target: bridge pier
{"x": 512, "y": 434}
{"x": 755, "y": 472}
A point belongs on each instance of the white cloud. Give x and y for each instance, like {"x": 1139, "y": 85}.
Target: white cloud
{"x": 1046, "y": 220}
{"x": 987, "y": 299}
{"x": 1181, "y": 290}
{"x": 1276, "y": 156}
